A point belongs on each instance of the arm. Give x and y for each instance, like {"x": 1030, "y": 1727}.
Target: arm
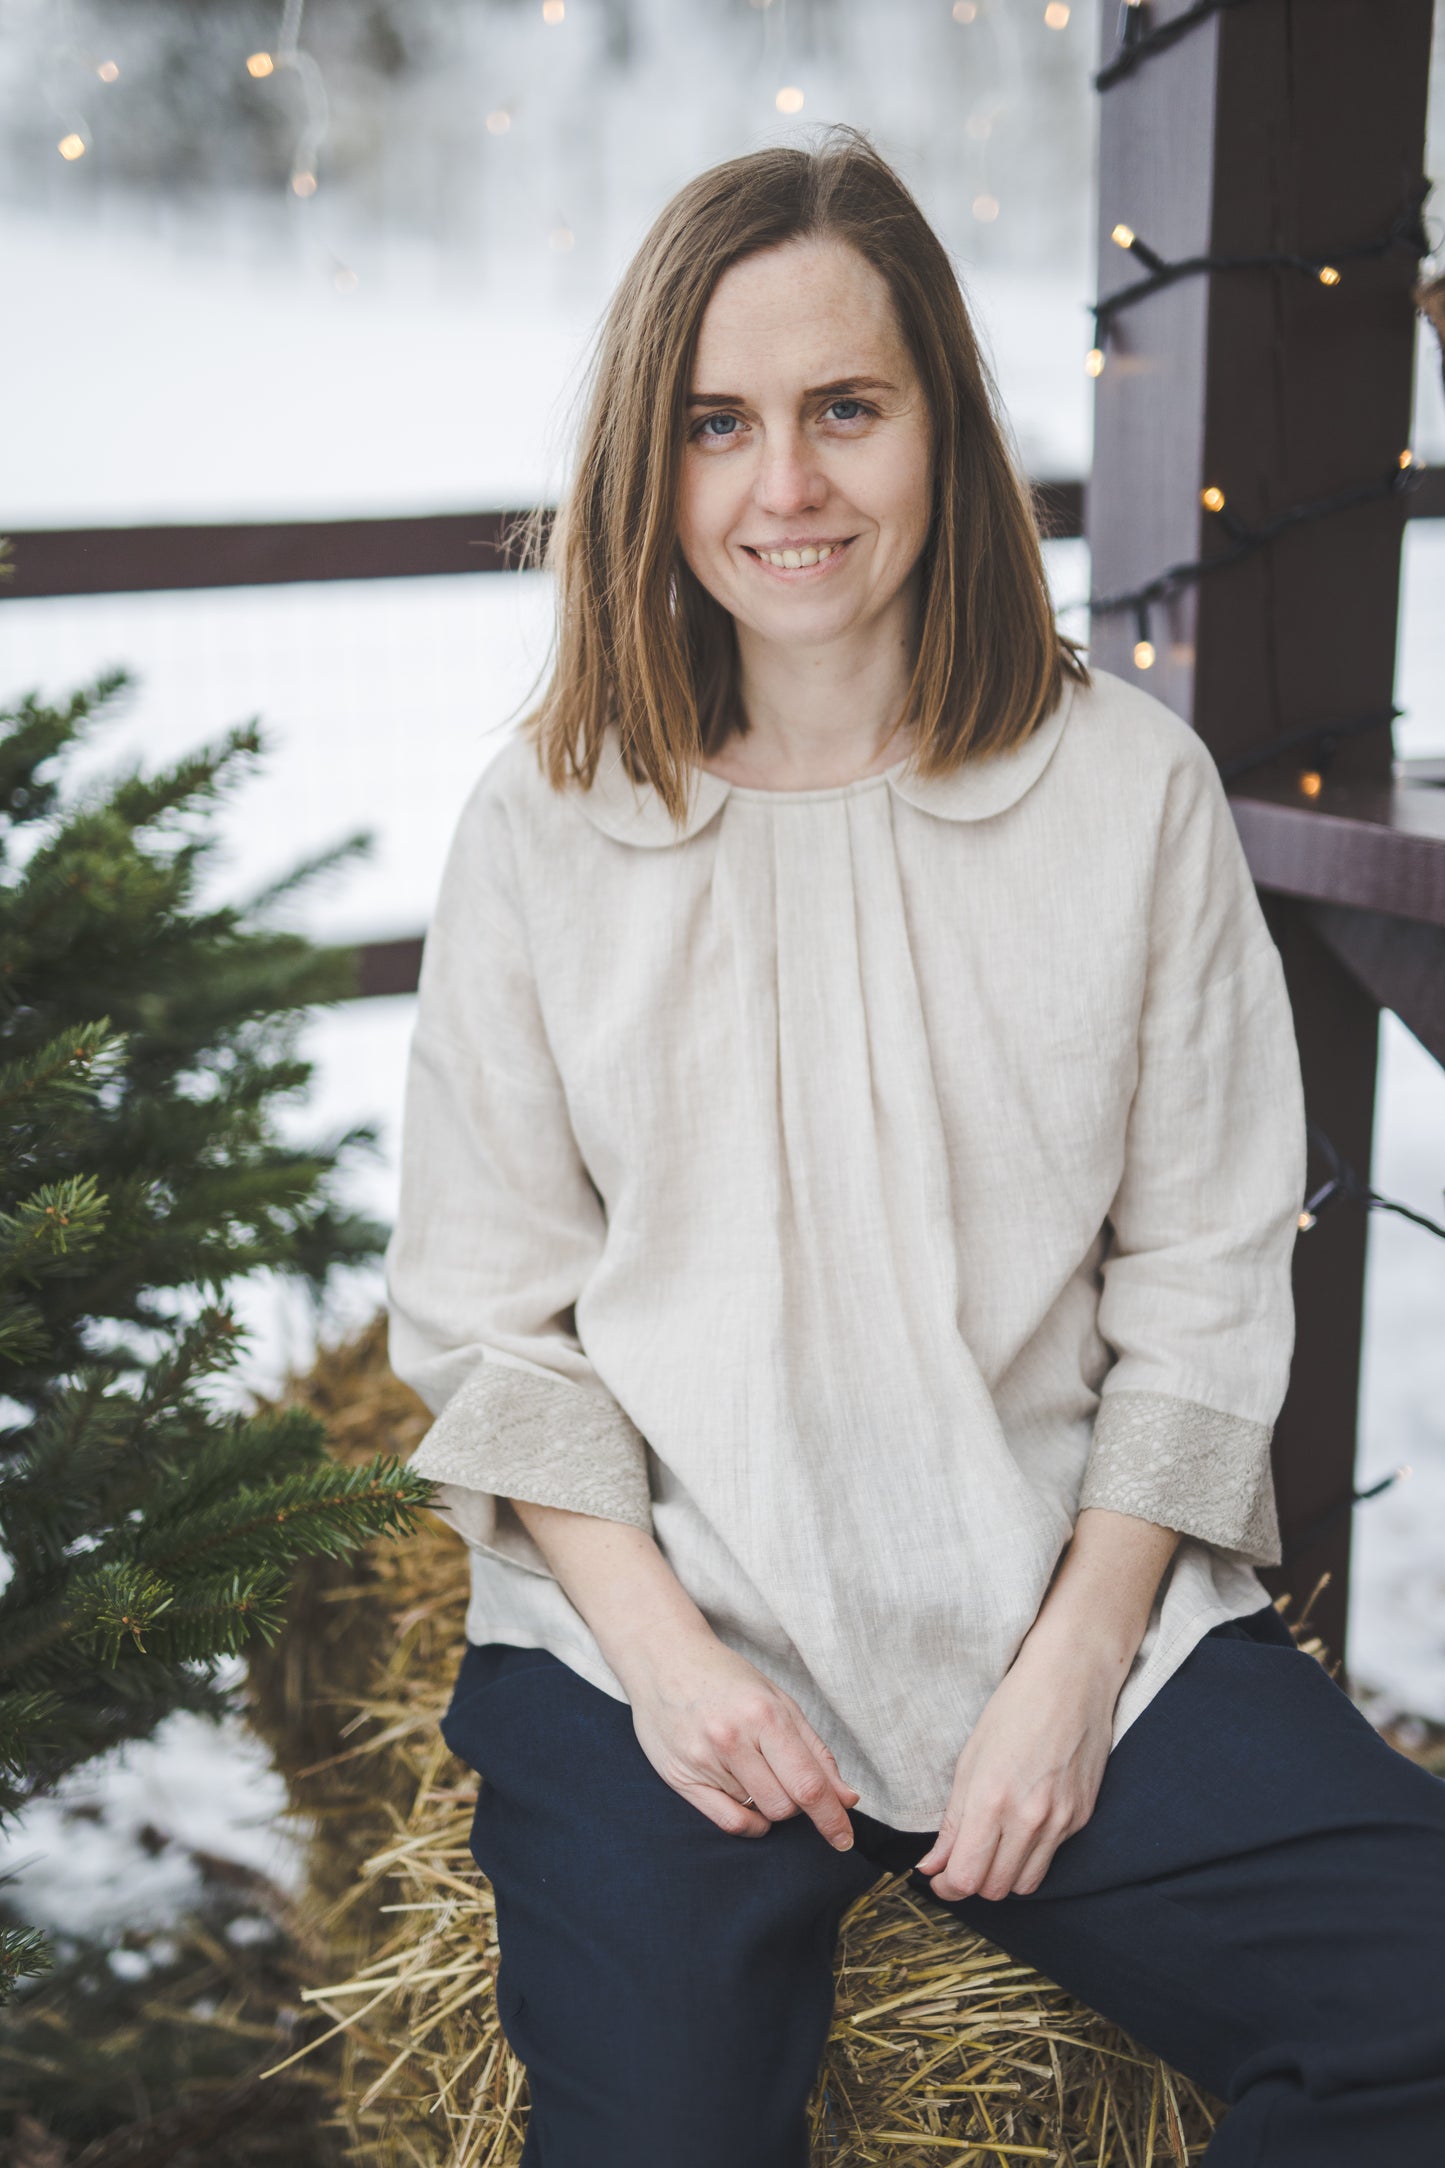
{"x": 497, "y": 1229}
{"x": 1031, "y": 1769}
{"x": 715, "y": 1728}
{"x": 1197, "y": 1305}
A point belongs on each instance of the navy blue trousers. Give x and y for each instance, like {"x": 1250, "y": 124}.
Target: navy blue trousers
{"x": 1258, "y": 1896}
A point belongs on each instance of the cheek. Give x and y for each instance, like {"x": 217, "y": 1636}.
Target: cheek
{"x": 703, "y": 509}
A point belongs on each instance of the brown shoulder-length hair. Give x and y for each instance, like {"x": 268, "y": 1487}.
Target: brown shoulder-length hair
{"x": 639, "y": 641}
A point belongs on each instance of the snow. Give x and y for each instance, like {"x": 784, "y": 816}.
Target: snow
{"x": 203, "y": 363}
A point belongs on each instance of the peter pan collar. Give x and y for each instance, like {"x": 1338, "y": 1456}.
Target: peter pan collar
{"x": 634, "y": 813}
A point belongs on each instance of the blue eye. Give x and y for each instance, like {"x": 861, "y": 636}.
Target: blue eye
{"x": 703, "y": 427}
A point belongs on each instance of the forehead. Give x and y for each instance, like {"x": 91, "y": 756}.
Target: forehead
{"x": 815, "y": 307}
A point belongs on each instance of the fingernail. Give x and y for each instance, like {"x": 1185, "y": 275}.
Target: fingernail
{"x": 843, "y": 1844}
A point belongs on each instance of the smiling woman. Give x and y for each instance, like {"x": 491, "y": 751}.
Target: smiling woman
{"x": 853, "y": 1152}
{"x": 789, "y": 365}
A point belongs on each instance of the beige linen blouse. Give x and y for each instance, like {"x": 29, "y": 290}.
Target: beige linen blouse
{"x": 850, "y": 1185}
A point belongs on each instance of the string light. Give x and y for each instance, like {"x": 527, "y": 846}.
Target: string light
{"x": 1056, "y": 15}
{"x": 1311, "y": 783}
{"x": 108, "y": 71}
{"x": 1406, "y": 230}
{"x": 498, "y": 121}
{"x": 965, "y": 11}
{"x": 985, "y": 208}
{"x": 1318, "y": 739}
{"x": 554, "y": 11}
{"x": 289, "y": 53}
{"x": 1094, "y": 361}
{"x": 1138, "y": 41}
{"x": 1144, "y": 657}
{"x": 1403, "y": 477}
{"x": 71, "y": 147}
{"x": 789, "y": 99}
{"x": 1212, "y": 499}
{"x": 1345, "y": 1186}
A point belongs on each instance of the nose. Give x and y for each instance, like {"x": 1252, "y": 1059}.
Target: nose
{"x": 787, "y": 478}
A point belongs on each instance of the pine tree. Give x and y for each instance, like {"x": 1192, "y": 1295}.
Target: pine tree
{"x": 146, "y": 1044}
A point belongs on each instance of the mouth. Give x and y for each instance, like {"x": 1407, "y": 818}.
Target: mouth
{"x": 810, "y": 561}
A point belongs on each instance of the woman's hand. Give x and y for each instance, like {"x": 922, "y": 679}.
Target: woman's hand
{"x": 718, "y": 1732}
{"x": 1031, "y": 1770}
{"x": 1029, "y": 1774}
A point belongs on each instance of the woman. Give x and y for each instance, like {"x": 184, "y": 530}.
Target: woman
{"x": 853, "y": 1152}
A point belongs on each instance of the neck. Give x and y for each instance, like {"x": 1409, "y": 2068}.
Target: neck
{"x": 820, "y": 716}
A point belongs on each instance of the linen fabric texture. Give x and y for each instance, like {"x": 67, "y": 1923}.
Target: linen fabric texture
{"x": 849, "y": 1186}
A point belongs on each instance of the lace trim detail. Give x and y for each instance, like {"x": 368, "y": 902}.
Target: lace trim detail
{"x": 1185, "y": 1466}
{"x": 510, "y": 1433}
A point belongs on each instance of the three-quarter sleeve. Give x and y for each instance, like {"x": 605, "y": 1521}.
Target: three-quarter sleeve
{"x": 1197, "y": 1301}
{"x": 497, "y": 1230}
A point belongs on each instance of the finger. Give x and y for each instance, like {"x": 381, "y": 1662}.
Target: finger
{"x": 968, "y": 1860}
{"x": 752, "y": 1773}
{"x": 806, "y": 1779}
{"x": 1016, "y": 1841}
{"x": 1037, "y": 1862}
{"x": 846, "y": 1792}
{"x": 728, "y": 1813}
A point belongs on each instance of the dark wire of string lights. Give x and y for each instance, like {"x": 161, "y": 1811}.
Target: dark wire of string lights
{"x": 1244, "y": 541}
{"x": 1406, "y": 230}
{"x": 1344, "y": 1185}
{"x": 1139, "y": 40}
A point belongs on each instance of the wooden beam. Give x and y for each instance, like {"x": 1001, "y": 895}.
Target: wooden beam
{"x": 1281, "y": 126}
{"x": 1379, "y": 846}
{"x": 1399, "y": 963}
{"x": 151, "y": 560}
{"x": 157, "y": 560}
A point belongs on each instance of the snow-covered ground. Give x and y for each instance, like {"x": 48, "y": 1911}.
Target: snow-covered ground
{"x": 175, "y": 368}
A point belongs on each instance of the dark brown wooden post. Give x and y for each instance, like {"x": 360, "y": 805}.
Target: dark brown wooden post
{"x": 1274, "y": 125}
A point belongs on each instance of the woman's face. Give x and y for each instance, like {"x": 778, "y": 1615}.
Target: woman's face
{"x": 807, "y": 432}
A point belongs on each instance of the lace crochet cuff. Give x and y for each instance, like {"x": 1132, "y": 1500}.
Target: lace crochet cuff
{"x": 1185, "y": 1466}
{"x": 510, "y": 1433}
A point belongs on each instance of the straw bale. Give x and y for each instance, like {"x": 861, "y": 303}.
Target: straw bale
{"x": 943, "y": 2053}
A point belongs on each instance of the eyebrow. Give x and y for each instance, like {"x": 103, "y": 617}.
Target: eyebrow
{"x": 844, "y": 384}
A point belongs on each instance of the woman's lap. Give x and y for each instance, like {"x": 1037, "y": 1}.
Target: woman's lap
{"x": 1259, "y": 1896}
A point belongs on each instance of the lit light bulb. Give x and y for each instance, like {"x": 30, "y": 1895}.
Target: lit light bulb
{"x": 107, "y": 71}
{"x": 1094, "y": 361}
{"x": 1328, "y": 275}
{"x": 1311, "y": 783}
{"x": 1143, "y": 654}
{"x": 986, "y": 208}
{"x": 1212, "y": 499}
{"x": 1056, "y": 15}
{"x": 71, "y": 147}
{"x": 303, "y": 184}
{"x": 1123, "y": 235}
{"x": 499, "y": 121}
{"x": 1407, "y": 459}
{"x": 965, "y": 11}
{"x": 260, "y": 64}
{"x": 554, "y": 11}
{"x": 789, "y": 99}
{"x": 1306, "y": 1219}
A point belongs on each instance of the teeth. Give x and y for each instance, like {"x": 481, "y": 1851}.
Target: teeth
{"x": 790, "y": 560}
